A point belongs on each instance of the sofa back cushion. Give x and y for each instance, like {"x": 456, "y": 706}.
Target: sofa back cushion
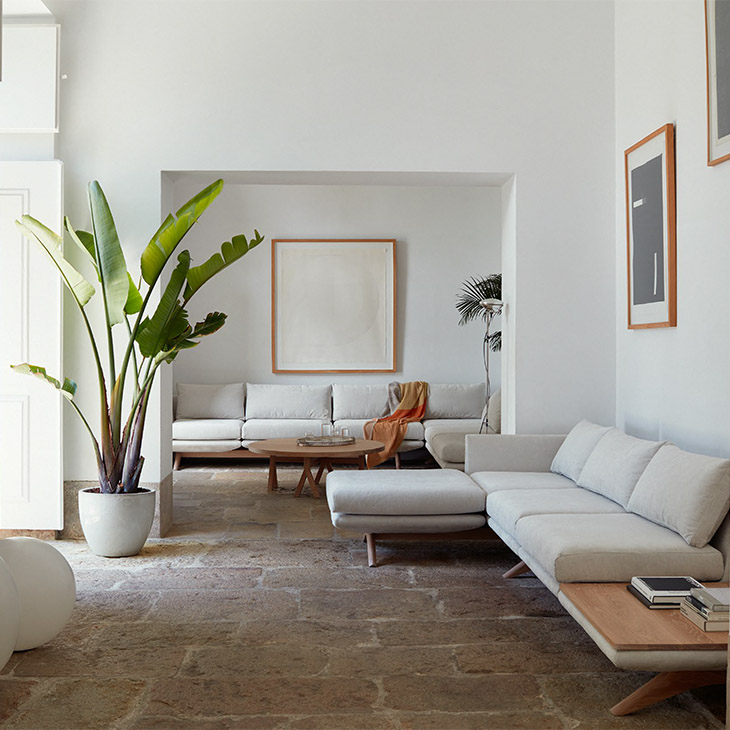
{"x": 209, "y": 401}
{"x": 615, "y": 465}
{"x": 359, "y": 401}
{"x": 688, "y": 493}
{"x": 577, "y": 447}
{"x": 455, "y": 401}
{"x": 288, "y": 401}
{"x": 494, "y": 413}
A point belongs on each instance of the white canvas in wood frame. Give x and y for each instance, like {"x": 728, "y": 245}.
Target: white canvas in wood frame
{"x": 333, "y": 305}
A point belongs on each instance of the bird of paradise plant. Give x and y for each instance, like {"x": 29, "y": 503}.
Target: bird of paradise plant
{"x": 126, "y": 381}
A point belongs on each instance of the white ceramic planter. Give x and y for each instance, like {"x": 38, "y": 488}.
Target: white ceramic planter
{"x": 9, "y": 613}
{"x": 45, "y": 586}
{"x": 116, "y": 525}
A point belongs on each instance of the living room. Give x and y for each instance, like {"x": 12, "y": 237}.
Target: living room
{"x": 484, "y": 137}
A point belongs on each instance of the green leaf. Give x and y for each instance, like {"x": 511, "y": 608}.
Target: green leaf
{"x": 109, "y": 256}
{"x": 230, "y": 252}
{"x": 68, "y": 389}
{"x": 173, "y": 229}
{"x": 85, "y": 241}
{"x": 134, "y": 298}
{"x": 169, "y": 319}
{"x": 212, "y": 323}
{"x": 52, "y": 244}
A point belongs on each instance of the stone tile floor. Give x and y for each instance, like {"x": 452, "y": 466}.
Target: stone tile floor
{"x": 253, "y": 615}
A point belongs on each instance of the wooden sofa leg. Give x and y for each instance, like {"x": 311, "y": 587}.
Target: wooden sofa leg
{"x": 516, "y": 570}
{"x": 397, "y": 460}
{"x": 370, "y": 540}
{"x": 176, "y": 463}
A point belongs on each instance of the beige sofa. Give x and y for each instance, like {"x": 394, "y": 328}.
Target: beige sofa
{"x": 222, "y": 420}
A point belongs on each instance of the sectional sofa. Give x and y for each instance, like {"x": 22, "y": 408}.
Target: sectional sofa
{"x": 595, "y": 506}
{"x": 222, "y": 420}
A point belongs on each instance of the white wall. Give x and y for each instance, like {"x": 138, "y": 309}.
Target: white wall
{"x": 673, "y": 383}
{"x": 509, "y": 87}
{"x": 444, "y": 235}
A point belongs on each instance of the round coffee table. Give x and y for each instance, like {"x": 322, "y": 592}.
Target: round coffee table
{"x": 321, "y": 455}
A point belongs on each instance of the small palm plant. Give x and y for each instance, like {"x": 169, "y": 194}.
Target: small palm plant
{"x": 151, "y": 340}
{"x": 469, "y": 304}
{"x": 482, "y": 297}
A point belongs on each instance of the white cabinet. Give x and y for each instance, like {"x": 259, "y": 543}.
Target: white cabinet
{"x": 29, "y": 87}
{"x": 31, "y": 473}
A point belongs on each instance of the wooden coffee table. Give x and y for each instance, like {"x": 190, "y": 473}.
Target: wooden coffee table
{"x": 626, "y": 626}
{"x": 323, "y": 456}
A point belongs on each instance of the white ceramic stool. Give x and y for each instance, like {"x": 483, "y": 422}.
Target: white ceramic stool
{"x": 45, "y": 585}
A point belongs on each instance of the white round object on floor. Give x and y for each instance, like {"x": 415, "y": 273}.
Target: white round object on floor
{"x": 46, "y": 589}
{"x": 9, "y": 613}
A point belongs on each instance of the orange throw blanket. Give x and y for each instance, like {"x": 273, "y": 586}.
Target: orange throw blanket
{"x": 392, "y": 429}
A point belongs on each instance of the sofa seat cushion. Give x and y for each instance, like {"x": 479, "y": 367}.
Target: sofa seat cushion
{"x": 414, "y": 432}
{"x": 455, "y": 401}
{"x": 288, "y": 401}
{"x": 433, "y": 426}
{"x": 615, "y": 465}
{"x": 600, "y": 548}
{"x": 359, "y": 401}
{"x": 577, "y": 447}
{"x": 448, "y": 446}
{"x": 507, "y": 507}
{"x": 402, "y": 492}
{"x": 202, "y": 429}
{"x": 188, "y": 446}
{"x": 408, "y": 523}
{"x": 689, "y": 493}
{"x": 281, "y": 428}
{"x": 497, "y": 481}
{"x": 209, "y": 401}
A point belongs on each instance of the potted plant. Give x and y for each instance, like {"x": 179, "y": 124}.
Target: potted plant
{"x": 481, "y": 297}
{"x": 117, "y": 515}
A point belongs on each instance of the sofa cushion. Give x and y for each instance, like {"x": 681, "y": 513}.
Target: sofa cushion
{"x": 615, "y": 465}
{"x": 494, "y": 413}
{"x": 497, "y": 481}
{"x": 414, "y": 432}
{"x": 209, "y": 401}
{"x": 455, "y": 401}
{"x": 201, "y": 429}
{"x": 452, "y": 425}
{"x": 288, "y": 401}
{"x": 408, "y": 523}
{"x": 612, "y": 547}
{"x": 187, "y": 446}
{"x": 402, "y": 492}
{"x": 448, "y": 446}
{"x": 689, "y": 493}
{"x": 509, "y": 506}
{"x": 281, "y": 428}
{"x": 577, "y": 447}
{"x": 359, "y": 401}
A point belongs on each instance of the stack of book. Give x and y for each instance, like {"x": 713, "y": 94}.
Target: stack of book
{"x": 662, "y": 591}
{"x": 708, "y": 608}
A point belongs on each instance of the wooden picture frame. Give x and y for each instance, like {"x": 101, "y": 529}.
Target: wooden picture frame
{"x": 651, "y": 246}
{"x": 333, "y": 305}
{"x": 717, "y": 58}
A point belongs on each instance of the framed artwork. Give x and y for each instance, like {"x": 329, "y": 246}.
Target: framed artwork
{"x": 333, "y": 305}
{"x": 651, "y": 231}
{"x": 717, "y": 49}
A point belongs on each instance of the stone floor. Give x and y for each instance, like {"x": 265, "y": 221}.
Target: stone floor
{"x": 253, "y": 615}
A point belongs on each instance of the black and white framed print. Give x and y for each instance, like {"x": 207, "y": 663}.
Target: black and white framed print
{"x": 717, "y": 47}
{"x": 651, "y": 231}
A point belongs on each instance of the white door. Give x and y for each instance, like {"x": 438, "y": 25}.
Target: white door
{"x": 31, "y": 466}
